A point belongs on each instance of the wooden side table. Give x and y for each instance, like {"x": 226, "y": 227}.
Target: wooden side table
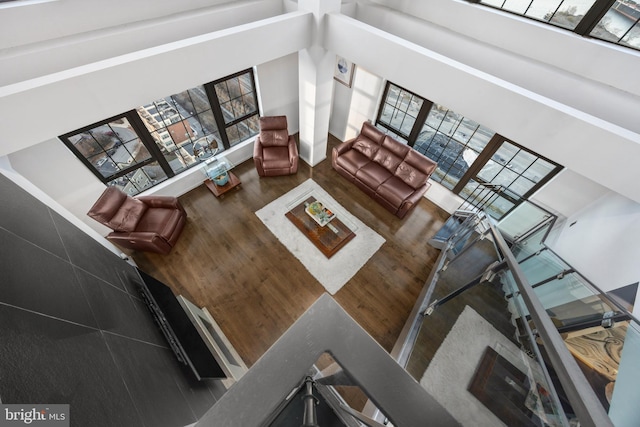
{"x": 220, "y": 190}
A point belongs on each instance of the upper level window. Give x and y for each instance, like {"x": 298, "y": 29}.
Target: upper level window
{"x": 468, "y": 154}
{"x": 564, "y": 13}
{"x": 620, "y": 24}
{"x": 617, "y": 22}
{"x": 140, "y": 148}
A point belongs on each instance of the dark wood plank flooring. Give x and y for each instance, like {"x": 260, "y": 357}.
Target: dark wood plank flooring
{"x": 228, "y": 261}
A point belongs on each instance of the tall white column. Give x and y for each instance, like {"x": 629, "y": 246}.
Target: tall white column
{"x": 315, "y": 79}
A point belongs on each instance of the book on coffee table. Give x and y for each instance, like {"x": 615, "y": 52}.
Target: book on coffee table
{"x": 319, "y": 213}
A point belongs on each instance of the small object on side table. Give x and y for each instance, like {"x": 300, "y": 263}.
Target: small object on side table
{"x": 219, "y": 177}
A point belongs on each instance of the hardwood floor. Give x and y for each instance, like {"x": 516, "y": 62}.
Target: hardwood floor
{"x": 228, "y": 261}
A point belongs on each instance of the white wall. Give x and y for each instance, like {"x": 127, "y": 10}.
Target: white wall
{"x": 25, "y": 22}
{"x": 78, "y": 47}
{"x": 278, "y": 87}
{"x": 355, "y": 105}
{"x": 568, "y": 193}
{"x": 603, "y": 241}
{"x": 595, "y": 60}
{"x": 70, "y": 99}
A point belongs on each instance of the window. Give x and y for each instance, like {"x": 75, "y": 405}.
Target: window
{"x": 468, "y": 154}
{"x": 620, "y": 24}
{"x": 609, "y": 20}
{"x": 183, "y": 127}
{"x": 140, "y": 148}
{"x": 239, "y": 106}
{"x": 453, "y": 141}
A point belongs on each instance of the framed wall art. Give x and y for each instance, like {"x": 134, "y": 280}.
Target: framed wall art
{"x": 343, "y": 71}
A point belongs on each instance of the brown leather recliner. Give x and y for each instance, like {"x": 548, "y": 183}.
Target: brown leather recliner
{"x": 275, "y": 151}
{"x": 144, "y": 223}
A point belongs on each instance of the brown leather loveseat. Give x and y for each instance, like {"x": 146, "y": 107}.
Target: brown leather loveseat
{"x": 143, "y": 223}
{"x": 392, "y": 173}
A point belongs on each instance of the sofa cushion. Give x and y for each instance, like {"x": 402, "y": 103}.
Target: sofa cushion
{"x": 372, "y": 175}
{"x": 275, "y": 157}
{"x": 396, "y": 147}
{"x": 160, "y": 221}
{"x": 366, "y": 146}
{"x": 387, "y": 159}
{"x": 411, "y": 175}
{"x": 372, "y": 132}
{"x": 107, "y": 205}
{"x": 416, "y": 169}
{"x": 128, "y": 216}
{"x": 274, "y": 138}
{"x": 421, "y": 162}
{"x": 395, "y": 191}
{"x": 352, "y": 160}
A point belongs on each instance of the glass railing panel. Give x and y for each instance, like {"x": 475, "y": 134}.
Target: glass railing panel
{"x": 521, "y": 220}
{"x": 542, "y": 266}
{"x": 464, "y": 235}
{"x": 458, "y": 272}
{"x": 571, "y": 301}
{"x": 531, "y": 244}
{"x": 544, "y": 398}
{"x": 596, "y": 331}
{"x": 448, "y": 228}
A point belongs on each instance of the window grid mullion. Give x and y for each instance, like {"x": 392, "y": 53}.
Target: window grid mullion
{"x": 590, "y": 19}
{"x": 420, "y": 121}
{"x": 218, "y": 115}
{"x": 148, "y": 141}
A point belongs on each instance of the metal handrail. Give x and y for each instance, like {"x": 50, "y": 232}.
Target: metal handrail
{"x": 578, "y": 390}
{"x": 501, "y": 189}
{"x": 596, "y": 288}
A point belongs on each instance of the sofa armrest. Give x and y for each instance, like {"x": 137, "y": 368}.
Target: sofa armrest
{"x": 343, "y": 147}
{"x": 167, "y": 202}
{"x": 293, "y": 149}
{"x": 412, "y": 200}
{"x": 257, "y": 149}
{"x": 140, "y": 241}
{"x": 257, "y": 156}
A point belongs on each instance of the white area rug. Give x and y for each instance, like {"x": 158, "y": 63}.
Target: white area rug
{"x": 452, "y": 368}
{"x": 332, "y": 273}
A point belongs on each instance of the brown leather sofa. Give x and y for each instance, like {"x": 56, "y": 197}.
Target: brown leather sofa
{"x": 275, "y": 152}
{"x": 392, "y": 173}
{"x": 143, "y": 223}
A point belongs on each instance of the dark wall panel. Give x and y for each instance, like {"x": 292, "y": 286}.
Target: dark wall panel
{"x": 51, "y": 361}
{"x": 74, "y": 330}
{"x": 37, "y": 280}
{"x": 26, "y": 217}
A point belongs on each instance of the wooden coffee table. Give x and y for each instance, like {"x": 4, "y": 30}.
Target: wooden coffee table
{"x": 329, "y": 238}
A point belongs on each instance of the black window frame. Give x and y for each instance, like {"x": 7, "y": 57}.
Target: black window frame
{"x": 492, "y": 146}
{"x": 217, "y": 108}
{"x": 144, "y": 135}
{"x": 585, "y": 26}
